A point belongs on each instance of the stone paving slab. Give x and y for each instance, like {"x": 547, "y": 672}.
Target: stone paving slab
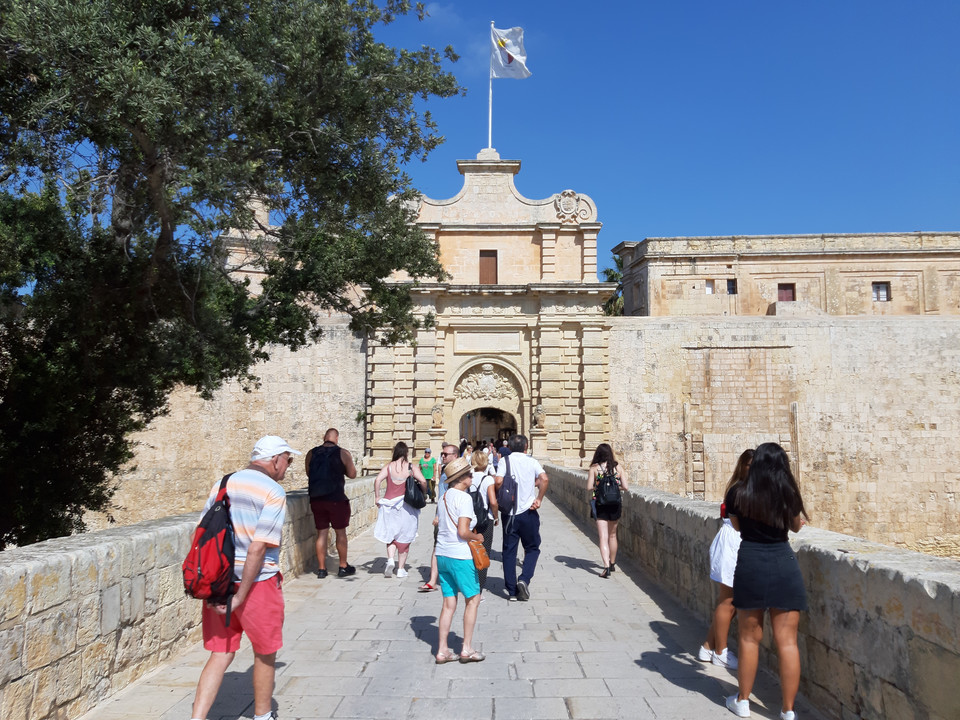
{"x": 362, "y": 647}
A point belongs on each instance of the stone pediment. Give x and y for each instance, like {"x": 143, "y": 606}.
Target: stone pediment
{"x": 489, "y": 197}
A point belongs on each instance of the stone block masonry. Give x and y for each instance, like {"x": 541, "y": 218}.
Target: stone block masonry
{"x": 868, "y": 408}
{"x": 82, "y": 617}
{"x": 881, "y": 639}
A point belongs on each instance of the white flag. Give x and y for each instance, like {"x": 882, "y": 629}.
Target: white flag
{"x": 508, "y": 59}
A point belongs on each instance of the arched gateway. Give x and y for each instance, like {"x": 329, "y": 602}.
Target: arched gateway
{"x": 519, "y": 340}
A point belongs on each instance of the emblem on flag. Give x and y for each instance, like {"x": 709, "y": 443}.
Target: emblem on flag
{"x": 508, "y": 59}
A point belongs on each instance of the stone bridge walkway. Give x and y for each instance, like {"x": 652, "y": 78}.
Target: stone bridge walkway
{"x": 361, "y": 647}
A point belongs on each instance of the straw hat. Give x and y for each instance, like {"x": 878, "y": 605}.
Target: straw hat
{"x": 456, "y": 469}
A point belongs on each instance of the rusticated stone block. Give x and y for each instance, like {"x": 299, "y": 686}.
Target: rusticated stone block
{"x": 49, "y": 583}
{"x": 11, "y": 653}
{"x": 109, "y": 609}
{"x": 13, "y": 592}
{"x": 50, "y": 636}
{"x": 17, "y": 699}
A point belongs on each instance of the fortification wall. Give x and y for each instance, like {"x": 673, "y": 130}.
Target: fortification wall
{"x": 182, "y": 454}
{"x": 869, "y": 409}
{"x": 882, "y": 636}
{"x": 82, "y": 617}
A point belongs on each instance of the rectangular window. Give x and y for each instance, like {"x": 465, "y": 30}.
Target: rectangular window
{"x": 488, "y": 267}
{"x": 709, "y": 287}
{"x": 881, "y": 292}
{"x": 786, "y": 292}
{"x": 731, "y": 287}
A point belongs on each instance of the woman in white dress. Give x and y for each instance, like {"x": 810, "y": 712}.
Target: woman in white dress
{"x": 723, "y": 563}
{"x": 396, "y": 521}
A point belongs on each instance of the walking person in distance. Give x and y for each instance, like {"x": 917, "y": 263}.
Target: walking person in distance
{"x": 606, "y": 481}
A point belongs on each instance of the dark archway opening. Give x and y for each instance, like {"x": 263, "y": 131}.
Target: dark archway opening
{"x": 487, "y": 423}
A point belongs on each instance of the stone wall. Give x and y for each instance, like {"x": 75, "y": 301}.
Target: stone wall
{"x": 182, "y": 454}
{"x": 869, "y": 409}
{"x": 82, "y": 617}
{"x": 882, "y": 636}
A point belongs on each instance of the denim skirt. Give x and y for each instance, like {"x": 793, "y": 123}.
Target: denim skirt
{"x": 768, "y": 576}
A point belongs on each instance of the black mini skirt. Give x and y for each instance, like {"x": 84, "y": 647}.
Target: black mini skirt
{"x": 768, "y": 576}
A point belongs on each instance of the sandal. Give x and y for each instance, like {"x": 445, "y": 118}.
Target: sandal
{"x": 473, "y": 657}
{"x": 427, "y": 587}
{"x": 443, "y": 659}
{"x": 605, "y": 573}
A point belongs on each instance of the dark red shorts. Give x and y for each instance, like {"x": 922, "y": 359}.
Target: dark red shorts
{"x": 330, "y": 514}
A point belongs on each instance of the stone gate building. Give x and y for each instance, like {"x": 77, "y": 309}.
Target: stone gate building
{"x": 519, "y": 342}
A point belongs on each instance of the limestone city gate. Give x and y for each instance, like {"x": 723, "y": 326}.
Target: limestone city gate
{"x": 519, "y": 339}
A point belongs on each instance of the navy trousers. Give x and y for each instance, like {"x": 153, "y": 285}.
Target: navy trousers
{"x": 523, "y": 529}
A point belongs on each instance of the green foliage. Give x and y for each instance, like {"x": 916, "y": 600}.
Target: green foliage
{"x": 614, "y": 306}
{"x": 133, "y": 136}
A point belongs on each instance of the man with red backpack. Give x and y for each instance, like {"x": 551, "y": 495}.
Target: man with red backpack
{"x": 257, "y": 511}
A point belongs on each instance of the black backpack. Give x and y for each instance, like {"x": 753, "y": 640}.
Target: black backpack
{"x": 507, "y": 494}
{"x": 480, "y": 510}
{"x": 326, "y": 466}
{"x": 608, "y": 490}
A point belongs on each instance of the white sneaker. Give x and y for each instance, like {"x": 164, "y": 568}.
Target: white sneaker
{"x": 704, "y": 655}
{"x": 788, "y": 715}
{"x": 388, "y": 570}
{"x": 725, "y": 659}
{"x": 740, "y": 708}
{"x": 402, "y": 573}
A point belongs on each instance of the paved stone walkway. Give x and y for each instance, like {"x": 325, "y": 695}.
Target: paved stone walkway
{"x": 582, "y": 647}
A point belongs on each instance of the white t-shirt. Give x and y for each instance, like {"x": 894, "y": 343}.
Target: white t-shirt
{"x": 459, "y": 504}
{"x": 481, "y": 481}
{"x": 525, "y": 469}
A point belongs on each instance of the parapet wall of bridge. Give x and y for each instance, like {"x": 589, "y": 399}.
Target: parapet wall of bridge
{"x": 82, "y": 617}
{"x": 882, "y": 635}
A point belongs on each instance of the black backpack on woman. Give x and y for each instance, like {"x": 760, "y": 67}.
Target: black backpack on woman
{"x": 608, "y": 489}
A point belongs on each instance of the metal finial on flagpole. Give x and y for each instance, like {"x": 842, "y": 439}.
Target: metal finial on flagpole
{"x": 490, "y": 104}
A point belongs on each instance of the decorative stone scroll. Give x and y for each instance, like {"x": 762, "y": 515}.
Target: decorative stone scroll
{"x": 486, "y": 384}
{"x": 570, "y": 209}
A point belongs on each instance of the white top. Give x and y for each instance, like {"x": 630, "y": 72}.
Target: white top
{"x": 481, "y": 481}
{"x": 525, "y": 469}
{"x": 449, "y": 543}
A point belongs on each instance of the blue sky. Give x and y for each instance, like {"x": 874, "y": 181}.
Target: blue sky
{"x": 711, "y": 117}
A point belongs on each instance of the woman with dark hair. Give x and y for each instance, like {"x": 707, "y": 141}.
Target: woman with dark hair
{"x": 396, "y": 521}
{"x": 764, "y": 508}
{"x": 723, "y": 562}
{"x": 604, "y": 465}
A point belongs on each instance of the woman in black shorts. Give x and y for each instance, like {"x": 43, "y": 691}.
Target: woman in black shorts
{"x": 767, "y": 577}
{"x": 608, "y": 516}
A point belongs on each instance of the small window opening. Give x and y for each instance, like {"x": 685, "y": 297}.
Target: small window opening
{"x": 731, "y": 287}
{"x": 881, "y": 292}
{"x": 786, "y": 292}
{"x": 709, "y": 287}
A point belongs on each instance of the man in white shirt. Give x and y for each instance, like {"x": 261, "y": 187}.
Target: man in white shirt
{"x": 522, "y": 523}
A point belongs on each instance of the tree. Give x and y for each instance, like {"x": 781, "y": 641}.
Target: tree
{"x": 133, "y": 135}
{"x": 614, "y": 306}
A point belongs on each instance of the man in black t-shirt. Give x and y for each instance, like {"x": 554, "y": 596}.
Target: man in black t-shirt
{"x": 328, "y": 466}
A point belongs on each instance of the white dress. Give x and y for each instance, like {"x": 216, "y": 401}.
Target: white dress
{"x": 396, "y": 521}
{"x": 723, "y": 554}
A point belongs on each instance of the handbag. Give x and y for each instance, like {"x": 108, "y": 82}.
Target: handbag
{"x": 481, "y": 561}
{"x": 413, "y": 494}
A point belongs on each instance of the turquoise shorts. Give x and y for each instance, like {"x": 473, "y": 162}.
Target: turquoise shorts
{"x": 457, "y": 576}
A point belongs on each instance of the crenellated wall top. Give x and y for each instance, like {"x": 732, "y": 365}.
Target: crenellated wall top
{"x": 489, "y": 197}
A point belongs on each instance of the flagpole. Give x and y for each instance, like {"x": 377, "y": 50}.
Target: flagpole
{"x": 490, "y": 104}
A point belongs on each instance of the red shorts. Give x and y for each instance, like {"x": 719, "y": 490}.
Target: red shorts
{"x": 330, "y": 514}
{"x": 260, "y": 616}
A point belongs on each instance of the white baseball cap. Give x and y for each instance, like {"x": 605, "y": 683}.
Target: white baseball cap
{"x": 270, "y": 445}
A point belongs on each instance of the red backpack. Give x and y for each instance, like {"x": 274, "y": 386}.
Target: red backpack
{"x": 208, "y": 568}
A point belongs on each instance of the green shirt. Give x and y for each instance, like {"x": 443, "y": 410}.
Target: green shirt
{"x": 428, "y": 467}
